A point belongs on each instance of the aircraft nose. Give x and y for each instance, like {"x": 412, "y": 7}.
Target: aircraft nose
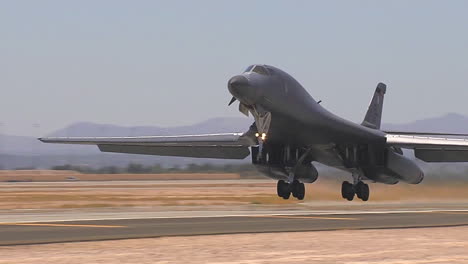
{"x": 238, "y": 82}
{"x": 237, "y": 85}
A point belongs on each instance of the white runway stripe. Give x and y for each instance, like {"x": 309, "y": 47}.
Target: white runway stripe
{"x": 94, "y": 216}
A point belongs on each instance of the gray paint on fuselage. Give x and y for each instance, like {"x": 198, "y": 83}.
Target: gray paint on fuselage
{"x": 299, "y": 122}
{"x": 297, "y": 117}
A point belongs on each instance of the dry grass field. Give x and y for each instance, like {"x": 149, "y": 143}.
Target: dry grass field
{"x": 65, "y": 175}
{"x": 216, "y": 189}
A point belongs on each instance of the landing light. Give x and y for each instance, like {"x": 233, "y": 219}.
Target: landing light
{"x": 262, "y": 137}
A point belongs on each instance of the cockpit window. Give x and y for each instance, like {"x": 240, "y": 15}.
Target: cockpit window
{"x": 260, "y": 70}
{"x": 249, "y": 68}
{"x": 270, "y": 70}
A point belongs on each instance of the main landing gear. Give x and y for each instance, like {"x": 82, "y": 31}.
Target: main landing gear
{"x": 360, "y": 189}
{"x": 296, "y": 188}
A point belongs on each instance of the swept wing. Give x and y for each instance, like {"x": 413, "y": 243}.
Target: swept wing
{"x": 432, "y": 147}
{"x": 218, "y": 146}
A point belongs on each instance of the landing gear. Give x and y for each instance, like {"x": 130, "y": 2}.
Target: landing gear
{"x": 283, "y": 190}
{"x": 347, "y": 191}
{"x": 296, "y": 188}
{"x": 360, "y": 189}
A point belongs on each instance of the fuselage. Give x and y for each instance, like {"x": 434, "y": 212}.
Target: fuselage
{"x": 298, "y": 130}
{"x": 296, "y": 116}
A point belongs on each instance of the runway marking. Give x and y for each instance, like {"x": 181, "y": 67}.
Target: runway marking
{"x": 306, "y": 217}
{"x": 452, "y": 213}
{"x": 223, "y": 215}
{"x": 61, "y": 225}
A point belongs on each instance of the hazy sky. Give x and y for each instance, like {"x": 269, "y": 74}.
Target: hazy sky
{"x": 168, "y": 62}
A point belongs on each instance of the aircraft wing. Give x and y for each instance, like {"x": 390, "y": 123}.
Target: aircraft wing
{"x": 432, "y": 147}
{"x": 425, "y": 133}
{"x": 218, "y": 146}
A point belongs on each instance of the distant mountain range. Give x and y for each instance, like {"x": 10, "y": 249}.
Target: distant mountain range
{"x": 449, "y": 123}
{"x": 19, "y": 151}
{"x": 19, "y": 145}
{"x": 213, "y": 125}
{"x": 26, "y": 152}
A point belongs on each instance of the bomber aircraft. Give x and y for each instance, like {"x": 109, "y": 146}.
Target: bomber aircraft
{"x": 292, "y": 130}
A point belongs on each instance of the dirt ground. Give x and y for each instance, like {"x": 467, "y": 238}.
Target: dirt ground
{"x": 66, "y": 175}
{"x": 404, "y": 246}
{"x": 81, "y": 194}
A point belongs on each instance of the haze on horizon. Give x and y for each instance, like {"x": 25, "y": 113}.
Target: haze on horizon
{"x": 167, "y": 63}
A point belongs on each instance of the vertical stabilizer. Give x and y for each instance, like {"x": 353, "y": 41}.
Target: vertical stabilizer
{"x": 374, "y": 113}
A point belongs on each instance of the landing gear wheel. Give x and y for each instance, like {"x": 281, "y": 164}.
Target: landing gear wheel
{"x": 301, "y": 192}
{"x": 365, "y": 192}
{"x": 359, "y": 189}
{"x": 283, "y": 190}
{"x": 298, "y": 190}
{"x": 362, "y": 191}
{"x": 347, "y": 191}
{"x": 343, "y": 189}
{"x": 295, "y": 188}
{"x": 279, "y": 188}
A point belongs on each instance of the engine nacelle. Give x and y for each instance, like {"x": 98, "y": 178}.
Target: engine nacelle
{"x": 275, "y": 173}
{"x": 306, "y": 173}
{"x": 404, "y": 168}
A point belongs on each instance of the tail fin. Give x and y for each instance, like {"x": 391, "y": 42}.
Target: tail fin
{"x": 374, "y": 113}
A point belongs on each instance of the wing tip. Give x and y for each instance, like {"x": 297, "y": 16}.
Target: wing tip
{"x": 46, "y": 140}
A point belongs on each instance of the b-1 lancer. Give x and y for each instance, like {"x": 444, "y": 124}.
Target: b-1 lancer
{"x": 292, "y": 130}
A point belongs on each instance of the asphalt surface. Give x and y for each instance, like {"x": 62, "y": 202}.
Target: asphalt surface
{"x": 17, "y": 233}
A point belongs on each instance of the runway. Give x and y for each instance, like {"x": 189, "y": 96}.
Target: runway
{"x": 20, "y": 233}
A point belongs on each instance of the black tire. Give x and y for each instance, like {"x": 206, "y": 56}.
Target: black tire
{"x": 283, "y": 190}
{"x": 347, "y": 191}
{"x": 359, "y": 189}
{"x": 300, "y": 191}
{"x": 343, "y": 189}
{"x": 286, "y": 191}
{"x": 279, "y": 188}
{"x": 365, "y": 192}
{"x": 295, "y": 188}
